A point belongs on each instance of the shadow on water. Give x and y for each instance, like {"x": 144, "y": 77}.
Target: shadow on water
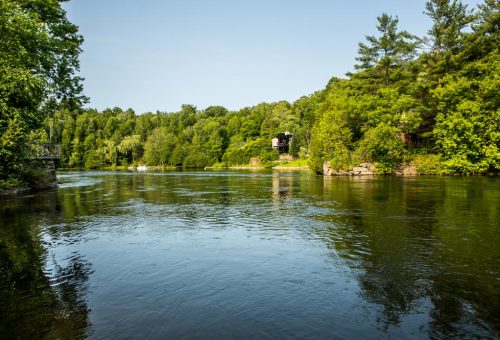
{"x": 40, "y": 297}
{"x": 421, "y": 246}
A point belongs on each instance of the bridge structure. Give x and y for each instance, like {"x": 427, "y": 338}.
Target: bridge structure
{"x": 43, "y": 158}
{"x": 43, "y": 151}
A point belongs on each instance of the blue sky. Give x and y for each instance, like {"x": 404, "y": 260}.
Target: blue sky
{"x": 153, "y": 55}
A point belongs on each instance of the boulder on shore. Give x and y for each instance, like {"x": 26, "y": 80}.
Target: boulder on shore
{"x": 362, "y": 169}
{"x": 365, "y": 169}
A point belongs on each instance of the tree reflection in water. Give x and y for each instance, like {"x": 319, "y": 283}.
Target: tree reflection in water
{"x": 40, "y": 298}
{"x": 413, "y": 252}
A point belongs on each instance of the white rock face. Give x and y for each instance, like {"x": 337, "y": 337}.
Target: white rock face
{"x": 360, "y": 170}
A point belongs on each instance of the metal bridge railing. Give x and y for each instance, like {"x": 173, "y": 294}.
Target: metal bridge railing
{"x": 43, "y": 151}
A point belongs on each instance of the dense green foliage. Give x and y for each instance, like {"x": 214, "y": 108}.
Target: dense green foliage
{"x": 438, "y": 108}
{"x": 189, "y": 138}
{"x": 39, "y": 51}
{"x": 432, "y": 101}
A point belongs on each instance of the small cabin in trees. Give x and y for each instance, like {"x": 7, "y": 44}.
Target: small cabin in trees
{"x": 282, "y": 142}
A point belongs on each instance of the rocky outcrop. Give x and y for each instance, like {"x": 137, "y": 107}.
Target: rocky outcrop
{"x": 41, "y": 174}
{"x": 36, "y": 174}
{"x": 362, "y": 169}
{"x": 407, "y": 170}
{"x": 365, "y": 169}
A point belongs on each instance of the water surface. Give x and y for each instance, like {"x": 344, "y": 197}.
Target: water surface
{"x": 251, "y": 255}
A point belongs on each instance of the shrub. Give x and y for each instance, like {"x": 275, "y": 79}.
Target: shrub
{"x": 383, "y": 146}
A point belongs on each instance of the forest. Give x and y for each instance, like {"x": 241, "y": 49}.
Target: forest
{"x": 430, "y": 101}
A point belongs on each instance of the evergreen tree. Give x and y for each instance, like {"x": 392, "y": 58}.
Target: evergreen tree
{"x": 449, "y": 19}
{"x": 391, "y": 50}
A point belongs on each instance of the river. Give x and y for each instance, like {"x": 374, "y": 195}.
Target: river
{"x": 249, "y": 254}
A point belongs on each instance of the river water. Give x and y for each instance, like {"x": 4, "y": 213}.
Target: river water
{"x": 264, "y": 255}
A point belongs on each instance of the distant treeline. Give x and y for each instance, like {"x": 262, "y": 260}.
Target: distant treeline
{"x": 432, "y": 101}
{"x": 189, "y": 138}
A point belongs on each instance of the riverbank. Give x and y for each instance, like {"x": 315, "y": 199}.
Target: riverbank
{"x": 257, "y": 167}
{"x": 35, "y": 175}
{"x": 41, "y": 176}
{"x": 292, "y": 165}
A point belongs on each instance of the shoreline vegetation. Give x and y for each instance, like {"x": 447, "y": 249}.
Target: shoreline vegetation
{"x": 365, "y": 169}
{"x": 414, "y": 105}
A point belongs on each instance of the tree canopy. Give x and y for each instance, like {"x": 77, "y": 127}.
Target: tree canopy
{"x": 430, "y": 101}
{"x": 39, "y": 51}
